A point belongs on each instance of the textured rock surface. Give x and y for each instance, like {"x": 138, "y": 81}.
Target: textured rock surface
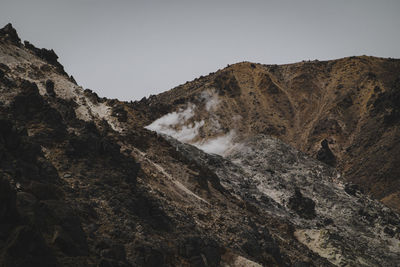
{"x": 82, "y": 182}
{"x": 274, "y": 178}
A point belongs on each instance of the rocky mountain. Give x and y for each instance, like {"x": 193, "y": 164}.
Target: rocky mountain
{"x": 344, "y": 112}
{"x": 254, "y": 165}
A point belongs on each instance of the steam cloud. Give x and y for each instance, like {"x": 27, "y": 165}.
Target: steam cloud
{"x": 175, "y": 125}
{"x": 218, "y": 145}
{"x": 211, "y": 99}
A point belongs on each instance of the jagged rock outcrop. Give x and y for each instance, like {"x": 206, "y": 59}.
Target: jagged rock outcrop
{"x": 9, "y": 34}
{"x": 48, "y": 55}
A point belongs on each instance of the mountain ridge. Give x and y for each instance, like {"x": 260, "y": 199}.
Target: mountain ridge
{"x": 85, "y": 183}
{"x": 339, "y": 111}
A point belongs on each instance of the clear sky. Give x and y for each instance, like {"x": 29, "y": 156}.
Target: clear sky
{"x": 130, "y": 49}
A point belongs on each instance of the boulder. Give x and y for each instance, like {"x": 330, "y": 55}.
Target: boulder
{"x": 303, "y": 206}
{"x": 325, "y": 154}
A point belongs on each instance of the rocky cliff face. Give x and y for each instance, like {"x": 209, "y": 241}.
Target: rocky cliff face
{"x": 85, "y": 180}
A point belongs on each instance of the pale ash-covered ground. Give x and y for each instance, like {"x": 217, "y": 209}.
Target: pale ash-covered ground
{"x": 348, "y": 230}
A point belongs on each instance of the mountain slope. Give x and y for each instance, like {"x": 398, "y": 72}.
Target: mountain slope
{"x": 352, "y": 103}
{"x": 83, "y": 182}
{"x": 332, "y": 219}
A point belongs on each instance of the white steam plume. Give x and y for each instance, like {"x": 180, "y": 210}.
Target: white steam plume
{"x": 211, "y": 99}
{"x": 175, "y": 125}
{"x": 219, "y": 145}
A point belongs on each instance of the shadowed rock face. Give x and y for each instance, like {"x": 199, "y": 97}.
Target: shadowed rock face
{"x": 9, "y": 214}
{"x": 82, "y": 183}
{"x": 325, "y": 154}
{"x": 303, "y": 206}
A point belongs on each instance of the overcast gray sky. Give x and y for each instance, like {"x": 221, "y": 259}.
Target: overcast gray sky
{"x": 130, "y": 49}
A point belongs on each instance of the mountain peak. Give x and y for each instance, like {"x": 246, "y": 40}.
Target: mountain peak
{"x": 8, "y": 33}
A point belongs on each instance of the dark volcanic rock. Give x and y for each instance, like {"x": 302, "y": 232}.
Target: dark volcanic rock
{"x": 8, "y": 33}
{"x": 201, "y": 252}
{"x": 26, "y": 205}
{"x": 26, "y": 247}
{"x": 50, "y": 88}
{"x": 302, "y": 264}
{"x": 352, "y": 189}
{"x": 63, "y": 223}
{"x": 63, "y": 241}
{"x": 48, "y": 55}
{"x": 303, "y": 206}
{"x": 325, "y": 154}
{"x": 93, "y": 97}
{"x": 151, "y": 257}
{"x": 120, "y": 113}
{"x": 44, "y": 191}
{"x": 29, "y": 101}
{"x": 8, "y": 208}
